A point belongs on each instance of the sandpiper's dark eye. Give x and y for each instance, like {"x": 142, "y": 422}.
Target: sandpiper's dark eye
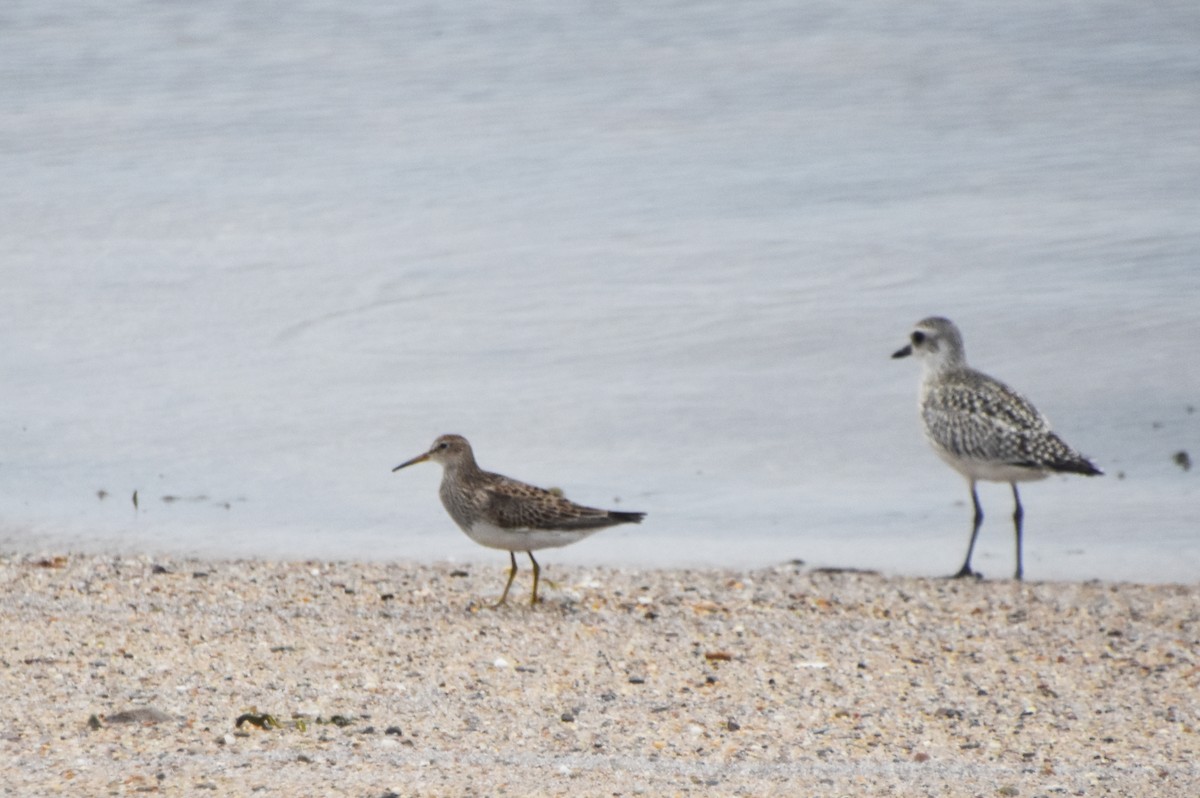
{"x": 918, "y": 337}
{"x": 442, "y": 445}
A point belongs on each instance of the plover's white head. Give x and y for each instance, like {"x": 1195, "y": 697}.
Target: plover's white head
{"x": 937, "y": 342}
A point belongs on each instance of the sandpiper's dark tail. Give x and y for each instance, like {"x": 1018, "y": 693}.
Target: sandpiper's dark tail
{"x": 626, "y": 518}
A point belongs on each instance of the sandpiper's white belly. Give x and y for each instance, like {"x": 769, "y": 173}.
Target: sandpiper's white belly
{"x": 495, "y": 537}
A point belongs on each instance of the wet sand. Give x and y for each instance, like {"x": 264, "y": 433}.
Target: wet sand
{"x": 124, "y": 675}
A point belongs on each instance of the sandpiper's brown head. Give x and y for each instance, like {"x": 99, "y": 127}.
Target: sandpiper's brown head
{"x": 449, "y": 450}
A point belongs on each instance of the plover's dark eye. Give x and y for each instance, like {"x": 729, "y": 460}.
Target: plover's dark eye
{"x": 918, "y": 337}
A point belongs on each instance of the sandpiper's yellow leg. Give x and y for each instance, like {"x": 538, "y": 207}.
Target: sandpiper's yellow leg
{"x": 512, "y": 574}
{"x": 536, "y": 570}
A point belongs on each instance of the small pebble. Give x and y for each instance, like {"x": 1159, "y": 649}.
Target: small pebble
{"x": 139, "y": 715}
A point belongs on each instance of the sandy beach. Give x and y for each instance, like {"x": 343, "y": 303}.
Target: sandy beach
{"x": 124, "y": 675}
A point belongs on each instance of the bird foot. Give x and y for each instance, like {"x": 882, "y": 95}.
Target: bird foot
{"x": 966, "y": 573}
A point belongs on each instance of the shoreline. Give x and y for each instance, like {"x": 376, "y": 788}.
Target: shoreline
{"x": 453, "y": 549}
{"x": 370, "y": 678}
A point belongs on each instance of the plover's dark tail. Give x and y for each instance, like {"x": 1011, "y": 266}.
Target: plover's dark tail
{"x": 1079, "y": 465}
{"x": 1065, "y": 460}
{"x": 1050, "y": 453}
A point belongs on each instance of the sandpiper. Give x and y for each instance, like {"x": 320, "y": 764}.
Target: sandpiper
{"x": 502, "y": 513}
{"x": 982, "y": 428}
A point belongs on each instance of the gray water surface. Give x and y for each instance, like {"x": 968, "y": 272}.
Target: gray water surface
{"x": 657, "y": 254}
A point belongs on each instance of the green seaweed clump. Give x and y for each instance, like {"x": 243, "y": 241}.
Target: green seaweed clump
{"x": 263, "y": 720}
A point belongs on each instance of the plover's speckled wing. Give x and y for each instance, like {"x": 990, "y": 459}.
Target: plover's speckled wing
{"x": 972, "y": 416}
{"x": 510, "y": 504}
{"x": 975, "y": 417}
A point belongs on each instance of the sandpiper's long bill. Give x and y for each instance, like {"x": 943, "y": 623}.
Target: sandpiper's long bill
{"x": 502, "y": 513}
{"x": 982, "y": 428}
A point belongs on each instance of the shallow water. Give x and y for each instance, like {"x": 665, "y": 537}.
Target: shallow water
{"x": 657, "y": 256}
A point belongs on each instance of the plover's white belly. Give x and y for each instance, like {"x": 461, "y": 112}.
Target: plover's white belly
{"x": 989, "y": 470}
{"x": 495, "y": 537}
